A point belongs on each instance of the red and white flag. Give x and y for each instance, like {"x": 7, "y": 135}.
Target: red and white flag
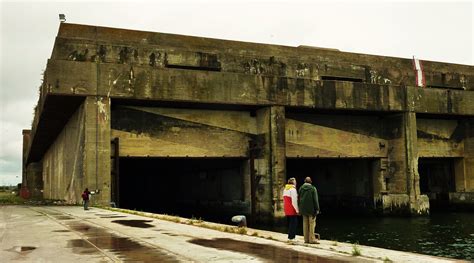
{"x": 420, "y": 75}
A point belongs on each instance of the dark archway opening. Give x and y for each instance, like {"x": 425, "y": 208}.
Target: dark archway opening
{"x": 437, "y": 180}
{"x": 344, "y": 185}
{"x": 211, "y": 188}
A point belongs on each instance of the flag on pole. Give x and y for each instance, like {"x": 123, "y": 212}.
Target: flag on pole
{"x": 420, "y": 75}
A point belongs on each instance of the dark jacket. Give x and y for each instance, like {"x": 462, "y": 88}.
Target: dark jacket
{"x": 309, "y": 203}
{"x": 85, "y": 195}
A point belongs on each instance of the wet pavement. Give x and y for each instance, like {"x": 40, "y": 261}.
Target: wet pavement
{"x": 70, "y": 234}
{"x": 267, "y": 252}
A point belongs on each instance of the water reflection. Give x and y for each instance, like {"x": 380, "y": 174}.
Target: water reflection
{"x": 446, "y": 235}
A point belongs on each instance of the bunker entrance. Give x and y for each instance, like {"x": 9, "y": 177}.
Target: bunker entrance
{"x": 437, "y": 179}
{"x": 344, "y": 185}
{"x": 201, "y": 187}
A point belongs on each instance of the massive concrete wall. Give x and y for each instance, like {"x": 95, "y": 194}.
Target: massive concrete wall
{"x": 79, "y": 158}
{"x": 63, "y": 164}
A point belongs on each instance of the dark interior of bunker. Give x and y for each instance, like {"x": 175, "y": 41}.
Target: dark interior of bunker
{"x": 343, "y": 184}
{"x": 437, "y": 180}
{"x": 190, "y": 187}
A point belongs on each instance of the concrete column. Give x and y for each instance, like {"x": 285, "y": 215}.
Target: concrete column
{"x": 463, "y": 198}
{"x": 34, "y": 179}
{"x": 403, "y": 179}
{"x": 278, "y": 158}
{"x": 270, "y": 163}
{"x": 379, "y": 187}
{"x": 97, "y": 148}
{"x": 460, "y": 175}
{"x": 26, "y": 141}
{"x": 469, "y": 157}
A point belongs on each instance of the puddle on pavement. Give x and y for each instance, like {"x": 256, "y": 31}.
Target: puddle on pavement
{"x": 21, "y": 249}
{"x": 80, "y": 246}
{"x": 124, "y": 248}
{"x": 60, "y": 231}
{"x": 134, "y": 223}
{"x": 267, "y": 252}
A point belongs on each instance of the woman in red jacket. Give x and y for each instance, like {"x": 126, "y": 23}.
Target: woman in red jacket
{"x": 290, "y": 204}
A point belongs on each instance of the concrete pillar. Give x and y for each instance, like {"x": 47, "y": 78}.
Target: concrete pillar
{"x": 26, "y": 141}
{"x": 32, "y": 174}
{"x": 469, "y": 157}
{"x": 270, "y": 163}
{"x": 97, "y": 149}
{"x": 460, "y": 175}
{"x": 34, "y": 179}
{"x": 463, "y": 198}
{"x": 403, "y": 179}
{"x": 278, "y": 157}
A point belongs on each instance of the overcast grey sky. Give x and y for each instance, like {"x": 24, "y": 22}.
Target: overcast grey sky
{"x": 430, "y": 30}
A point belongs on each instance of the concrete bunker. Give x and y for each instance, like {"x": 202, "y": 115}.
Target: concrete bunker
{"x": 127, "y": 100}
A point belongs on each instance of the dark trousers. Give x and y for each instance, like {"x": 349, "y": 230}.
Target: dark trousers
{"x": 292, "y": 225}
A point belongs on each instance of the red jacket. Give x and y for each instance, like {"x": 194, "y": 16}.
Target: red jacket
{"x": 290, "y": 200}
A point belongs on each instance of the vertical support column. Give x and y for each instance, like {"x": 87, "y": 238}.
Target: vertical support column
{"x": 411, "y": 155}
{"x": 270, "y": 163}
{"x": 403, "y": 180}
{"x": 261, "y": 192}
{"x": 469, "y": 157}
{"x": 278, "y": 158}
{"x": 26, "y": 143}
{"x": 97, "y": 148}
{"x": 463, "y": 198}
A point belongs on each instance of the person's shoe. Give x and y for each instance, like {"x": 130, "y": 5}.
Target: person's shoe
{"x": 291, "y": 241}
{"x": 314, "y": 242}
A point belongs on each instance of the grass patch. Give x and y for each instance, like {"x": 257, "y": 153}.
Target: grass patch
{"x": 387, "y": 260}
{"x": 7, "y": 198}
{"x": 356, "y": 250}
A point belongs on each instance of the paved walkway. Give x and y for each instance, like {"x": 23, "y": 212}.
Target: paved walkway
{"x": 70, "y": 234}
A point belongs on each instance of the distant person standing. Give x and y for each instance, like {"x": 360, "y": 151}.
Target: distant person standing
{"x": 290, "y": 205}
{"x": 309, "y": 208}
{"x": 85, "y": 198}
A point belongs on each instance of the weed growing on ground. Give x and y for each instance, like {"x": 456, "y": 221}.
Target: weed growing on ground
{"x": 356, "y": 250}
{"x": 334, "y": 243}
{"x": 242, "y": 230}
{"x": 255, "y": 234}
{"x": 387, "y": 260}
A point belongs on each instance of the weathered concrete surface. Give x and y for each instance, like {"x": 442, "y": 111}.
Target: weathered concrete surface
{"x": 169, "y": 96}
{"x": 70, "y": 234}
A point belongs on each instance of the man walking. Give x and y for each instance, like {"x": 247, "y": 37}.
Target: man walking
{"x": 85, "y": 198}
{"x": 290, "y": 205}
{"x": 309, "y": 208}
